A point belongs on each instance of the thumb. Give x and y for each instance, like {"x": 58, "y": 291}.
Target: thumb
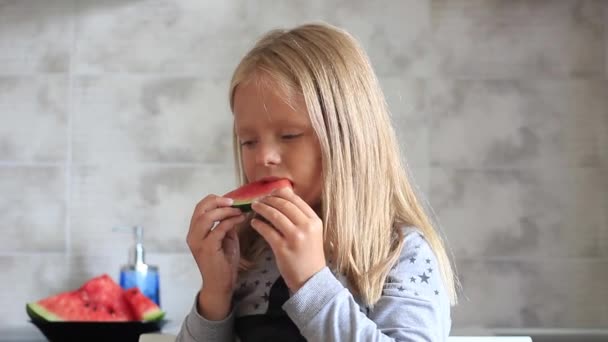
{"x": 230, "y": 244}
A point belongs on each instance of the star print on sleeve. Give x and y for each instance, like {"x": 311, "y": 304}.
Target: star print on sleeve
{"x": 414, "y": 275}
{"x": 424, "y": 278}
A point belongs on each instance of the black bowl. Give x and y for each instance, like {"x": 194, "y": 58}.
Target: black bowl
{"x": 95, "y": 331}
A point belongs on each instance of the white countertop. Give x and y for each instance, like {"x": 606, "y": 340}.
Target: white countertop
{"x": 29, "y": 333}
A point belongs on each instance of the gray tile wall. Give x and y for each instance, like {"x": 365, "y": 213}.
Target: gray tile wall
{"x": 115, "y": 113}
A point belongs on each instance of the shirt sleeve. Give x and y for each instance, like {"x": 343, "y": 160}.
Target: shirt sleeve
{"x": 196, "y": 328}
{"x": 414, "y": 305}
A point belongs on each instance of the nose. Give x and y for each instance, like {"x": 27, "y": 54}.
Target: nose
{"x": 267, "y": 154}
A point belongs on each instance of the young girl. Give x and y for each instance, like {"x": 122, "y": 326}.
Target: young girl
{"x": 348, "y": 254}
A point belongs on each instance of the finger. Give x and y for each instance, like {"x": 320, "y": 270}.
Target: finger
{"x": 210, "y": 202}
{"x": 288, "y": 194}
{"x": 269, "y": 234}
{"x": 232, "y": 233}
{"x": 275, "y": 217}
{"x": 230, "y": 244}
{"x": 221, "y": 230}
{"x": 204, "y": 223}
{"x": 288, "y": 208}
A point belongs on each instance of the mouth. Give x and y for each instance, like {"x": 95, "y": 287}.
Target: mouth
{"x": 273, "y": 179}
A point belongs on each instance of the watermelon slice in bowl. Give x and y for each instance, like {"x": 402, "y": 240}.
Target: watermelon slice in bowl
{"x": 246, "y": 194}
{"x": 99, "y": 299}
{"x": 142, "y": 307}
{"x": 100, "y": 310}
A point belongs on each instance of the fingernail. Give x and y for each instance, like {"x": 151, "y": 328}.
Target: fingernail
{"x": 229, "y": 201}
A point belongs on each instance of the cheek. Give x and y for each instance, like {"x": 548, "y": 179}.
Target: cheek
{"x": 248, "y": 162}
{"x": 313, "y": 195}
{"x": 316, "y": 183}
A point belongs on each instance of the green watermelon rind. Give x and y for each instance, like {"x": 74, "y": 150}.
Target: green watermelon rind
{"x": 244, "y": 206}
{"x": 153, "y": 315}
{"x": 38, "y": 312}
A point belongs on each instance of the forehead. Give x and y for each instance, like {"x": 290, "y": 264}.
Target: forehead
{"x": 265, "y": 103}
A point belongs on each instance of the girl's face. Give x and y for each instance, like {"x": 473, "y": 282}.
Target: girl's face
{"x": 277, "y": 141}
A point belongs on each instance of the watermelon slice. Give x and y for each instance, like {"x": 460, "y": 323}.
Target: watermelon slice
{"x": 246, "y": 194}
{"x": 143, "y": 307}
{"x": 99, "y": 299}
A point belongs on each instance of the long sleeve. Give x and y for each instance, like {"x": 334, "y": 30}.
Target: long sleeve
{"x": 196, "y": 328}
{"x": 413, "y": 307}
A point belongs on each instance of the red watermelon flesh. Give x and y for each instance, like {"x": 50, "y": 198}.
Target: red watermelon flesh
{"x": 105, "y": 291}
{"x": 246, "y": 194}
{"x": 99, "y": 299}
{"x": 143, "y": 307}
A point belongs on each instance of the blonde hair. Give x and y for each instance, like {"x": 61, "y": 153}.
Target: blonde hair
{"x": 366, "y": 196}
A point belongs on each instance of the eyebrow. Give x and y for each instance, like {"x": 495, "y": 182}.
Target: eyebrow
{"x": 248, "y": 131}
{"x": 281, "y": 122}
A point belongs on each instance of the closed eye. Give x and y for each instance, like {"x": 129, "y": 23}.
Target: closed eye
{"x": 290, "y": 136}
{"x": 247, "y": 143}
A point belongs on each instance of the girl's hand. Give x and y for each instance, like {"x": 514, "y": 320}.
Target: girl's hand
{"x": 215, "y": 249}
{"x": 295, "y": 234}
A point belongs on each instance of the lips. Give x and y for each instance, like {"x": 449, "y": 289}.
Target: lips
{"x": 272, "y": 179}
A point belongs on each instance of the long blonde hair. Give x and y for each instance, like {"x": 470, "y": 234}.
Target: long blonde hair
{"x": 366, "y": 196}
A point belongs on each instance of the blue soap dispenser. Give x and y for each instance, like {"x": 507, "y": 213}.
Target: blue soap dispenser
{"x": 137, "y": 272}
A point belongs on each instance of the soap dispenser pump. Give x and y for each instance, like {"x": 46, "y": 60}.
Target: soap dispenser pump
{"x": 137, "y": 273}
